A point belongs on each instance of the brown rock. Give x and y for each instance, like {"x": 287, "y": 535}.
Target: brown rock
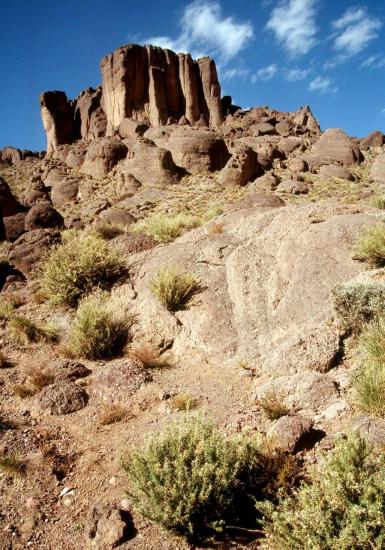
{"x": 108, "y": 527}
{"x": 9, "y": 206}
{"x": 65, "y": 191}
{"x": 283, "y": 128}
{"x": 34, "y": 192}
{"x": 267, "y": 182}
{"x": 262, "y": 128}
{"x": 298, "y": 165}
{"x": 373, "y": 429}
{"x": 130, "y": 128}
{"x": 11, "y": 155}
{"x": 29, "y": 249}
{"x": 43, "y": 216}
{"x": 102, "y": 155}
{"x": 58, "y": 119}
{"x": 68, "y": 370}
{"x": 137, "y": 242}
{"x": 375, "y": 139}
{"x": 292, "y": 433}
{"x": 7, "y": 272}
{"x": 304, "y": 117}
{"x": 241, "y": 168}
{"x": 117, "y": 381}
{"x": 117, "y": 216}
{"x": 334, "y": 147}
{"x": 63, "y": 398}
{"x": 377, "y": 171}
{"x": 257, "y": 199}
{"x": 90, "y": 119}
{"x": 76, "y": 154}
{"x": 14, "y": 226}
{"x": 293, "y": 187}
{"x": 211, "y": 100}
{"x": 335, "y": 171}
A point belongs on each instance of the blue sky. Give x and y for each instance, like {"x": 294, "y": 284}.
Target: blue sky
{"x": 327, "y": 53}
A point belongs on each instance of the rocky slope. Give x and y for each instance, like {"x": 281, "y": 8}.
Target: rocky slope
{"x": 286, "y": 204}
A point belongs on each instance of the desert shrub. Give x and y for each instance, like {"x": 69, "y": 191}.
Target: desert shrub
{"x": 74, "y": 268}
{"x": 341, "y": 507}
{"x": 174, "y": 288}
{"x": 371, "y": 246}
{"x": 379, "y": 203}
{"x": 166, "y": 228}
{"x": 100, "y": 327}
{"x": 357, "y": 303}
{"x": 149, "y": 357}
{"x": 192, "y": 479}
{"x": 23, "y": 390}
{"x": 273, "y": 405}
{"x": 39, "y": 377}
{"x": 108, "y": 230}
{"x": 4, "y": 361}
{"x": 114, "y": 413}
{"x": 24, "y": 331}
{"x": 183, "y": 402}
{"x": 369, "y": 380}
{"x": 11, "y": 464}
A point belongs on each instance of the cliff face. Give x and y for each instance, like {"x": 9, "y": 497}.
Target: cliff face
{"x": 144, "y": 83}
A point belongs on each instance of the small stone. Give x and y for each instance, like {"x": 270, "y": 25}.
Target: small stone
{"x": 112, "y": 480}
{"x": 67, "y": 502}
{"x": 125, "y": 504}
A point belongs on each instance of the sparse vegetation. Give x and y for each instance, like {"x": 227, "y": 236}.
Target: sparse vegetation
{"x": 23, "y": 391}
{"x": 11, "y": 464}
{"x": 108, "y": 231}
{"x": 24, "y": 331}
{"x": 174, "y": 288}
{"x": 273, "y": 405}
{"x": 4, "y": 362}
{"x": 215, "y": 228}
{"x": 100, "y": 327}
{"x": 113, "y": 413}
{"x": 369, "y": 381}
{"x": 166, "y": 228}
{"x": 149, "y": 357}
{"x": 357, "y": 303}
{"x": 379, "y": 203}
{"x": 341, "y": 507}
{"x": 40, "y": 377}
{"x": 192, "y": 479}
{"x": 371, "y": 246}
{"x": 183, "y": 402}
{"x": 76, "y": 267}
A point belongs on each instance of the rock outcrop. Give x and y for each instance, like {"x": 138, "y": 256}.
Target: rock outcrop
{"x": 58, "y": 119}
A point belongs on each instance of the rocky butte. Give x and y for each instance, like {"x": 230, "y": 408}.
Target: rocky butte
{"x": 262, "y": 213}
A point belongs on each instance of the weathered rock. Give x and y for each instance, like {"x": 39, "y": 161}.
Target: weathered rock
{"x": 371, "y": 428}
{"x": 336, "y": 171}
{"x": 130, "y": 128}
{"x": 375, "y": 139}
{"x": 7, "y": 271}
{"x": 334, "y": 147}
{"x": 267, "y": 182}
{"x": 137, "y": 242}
{"x": 14, "y": 226}
{"x": 54, "y": 176}
{"x": 289, "y": 144}
{"x": 150, "y": 164}
{"x": 284, "y": 261}
{"x": 28, "y": 250}
{"x": 90, "y": 119}
{"x": 9, "y": 206}
{"x": 283, "y": 128}
{"x": 127, "y": 185}
{"x": 43, "y": 216}
{"x": 293, "y": 187}
{"x": 108, "y": 527}
{"x": 117, "y": 216}
{"x": 298, "y": 165}
{"x": 292, "y": 433}
{"x": 76, "y": 154}
{"x": 68, "y": 370}
{"x": 34, "y": 192}
{"x": 65, "y": 191}
{"x": 63, "y": 398}
{"x": 304, "y": 117}
{"x": 11, "y": 155}
{"x": 58, "y": 119}
{"x": 257, "y": 199}
{"x": 149, "y": 84}
{"x": 102, "y": 155}
{"x": 262, "y": 128}
{"x": 377, "y": 171}
{"x": 241, "y": 168}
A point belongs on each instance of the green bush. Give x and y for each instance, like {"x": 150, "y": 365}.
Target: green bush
{"x": 357, "y": 303}
{"x": 369, "y": 381}
{"x": 74, "y": 268}
{"x": 371, "y": 246}
{"x": 174, "y": 288}
{"x": 100, "y": 327}
{"x": 166, "y": 228}
{"x": 192, "y": 479}
{"x": 341, "y": 507}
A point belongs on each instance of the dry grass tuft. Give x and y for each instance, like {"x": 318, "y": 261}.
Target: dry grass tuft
{"x": 183, "y": 402}
{"x": 149, "y": 357}
{"x": 23, "y": 331}
{"x": 11, "y": 464}
{"x": 273, "y": 405}
{"x": 215, "y": 228}
{"x": 23, "y": 391}
{"x": 166, "y": 228}
{"x": 108, "y": 231}
{"x": 174, "y": 288}
{"x": 39, "y": 377}
{"x": 114, "y": 413}
{"x": 371, "y": 246}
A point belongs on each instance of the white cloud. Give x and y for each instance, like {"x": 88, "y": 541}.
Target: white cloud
{"x": 230, "y": 74}
{"x": 265, "y": 73}
{"x": 293, "y": 22}
{"x": 354, "y": 30}
{"x": 294, "y": 75}
{"x": 204, "y": 30}
{"x": 324, "y": 85}
{"x": 383, "y": 111}
{"x": 373, "y": 62}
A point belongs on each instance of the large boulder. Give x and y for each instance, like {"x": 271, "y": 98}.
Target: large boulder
{"x": 27, "y": 251}
{"x": 375, "y": 139}
{"x": 65, "y": 191}
{"x": 241, "y": 168}
{"x": 377, "y": 171}
{"x": 266, "y": 282}
{"x": 58, "y": 119}
{"x": 149, "y": 164}
{"x": 14, "y": 226}
{"x": 8, "y": 203}
{"x": 334, "y": 147}
{"x": 43, "y": 216}
{"x": 102, "y": 155}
